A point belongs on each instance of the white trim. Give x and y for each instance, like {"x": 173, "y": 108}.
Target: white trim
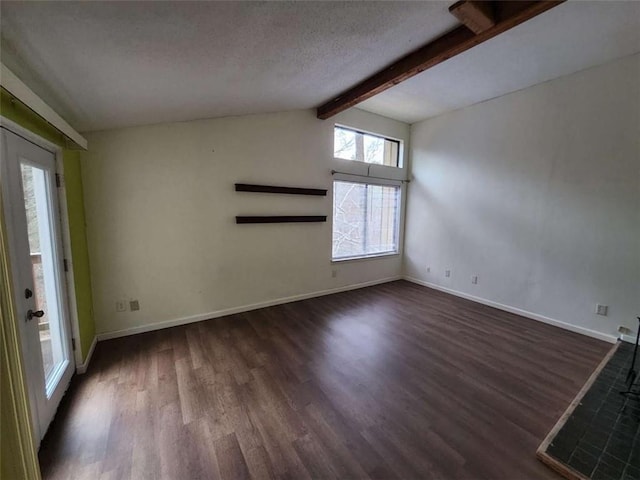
{"x": 29, "y": 135}
{"x": 82, "y": 368}
{"x": 366, "y": 179}
{"x": 246, "y": 308}
{"x": 72, "y": 299}
{"x": 231, "y": 311}
{"x": 18, "y": 89}
{"x": 628, "y": 338}
{"x": 383, "y": 136}
{"x": 517, "y": 311}
{"x": 365, "y": 257}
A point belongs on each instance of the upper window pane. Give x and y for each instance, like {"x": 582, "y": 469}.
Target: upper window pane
{"x": 363, "y": 147}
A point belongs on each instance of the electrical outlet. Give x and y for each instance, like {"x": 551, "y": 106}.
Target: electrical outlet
{"x": 334, "y": 273}
{"x": 121, "y": 306}
{"x": 474, "y": 279}
{"x": 134, "y": 305}
{"x": 428, "y": 269}
{"x": 602, "y": 309}
{"x": 625, "y": 330}
{"x": 447, "y": 273}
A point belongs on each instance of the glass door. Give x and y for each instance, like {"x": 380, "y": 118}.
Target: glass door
{"x": 29, "y": 187}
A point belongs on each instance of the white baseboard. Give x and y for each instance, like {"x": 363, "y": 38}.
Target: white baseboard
{"x": 628, "y": 338}
{"x": 82, "y": 368}
{"x": 517, "y": 311}
{"x": 231, "y": 311}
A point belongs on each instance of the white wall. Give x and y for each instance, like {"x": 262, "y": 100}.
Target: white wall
{"x": 161, "y": 208}
{"x": 537, "y": 193}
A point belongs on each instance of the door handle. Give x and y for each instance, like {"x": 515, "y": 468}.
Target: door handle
{"x": 37, "y": 313}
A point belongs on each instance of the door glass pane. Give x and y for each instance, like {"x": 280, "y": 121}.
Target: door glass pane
{"x": 43, "y": 267}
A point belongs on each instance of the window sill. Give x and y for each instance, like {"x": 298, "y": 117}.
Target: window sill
{"x": 365, "y": 257}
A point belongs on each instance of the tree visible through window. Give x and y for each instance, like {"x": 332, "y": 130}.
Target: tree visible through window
{"x": 364, "y": 147}
{"x": 365, "y": 219}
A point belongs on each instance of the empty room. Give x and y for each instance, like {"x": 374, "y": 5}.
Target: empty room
{"x": 320, "y": 240}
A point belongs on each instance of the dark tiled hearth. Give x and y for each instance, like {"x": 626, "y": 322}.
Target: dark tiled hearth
{"x": 601, "y": 438}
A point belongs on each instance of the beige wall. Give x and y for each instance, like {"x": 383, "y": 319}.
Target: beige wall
{"x": 160, "y": 205}
{"x": 537, "y": 193}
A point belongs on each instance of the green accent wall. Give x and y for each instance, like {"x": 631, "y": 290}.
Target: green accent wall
{"x": 79, "y": 250}
{"x": 22, "y": 115}
{"x": 10, "y": 456}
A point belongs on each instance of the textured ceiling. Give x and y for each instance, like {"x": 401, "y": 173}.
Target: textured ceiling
{"x": 111, "y": 64}
{"x": 566, "y": 39}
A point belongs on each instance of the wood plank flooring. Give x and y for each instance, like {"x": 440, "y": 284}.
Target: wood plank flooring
{"x": 391, "y": 381}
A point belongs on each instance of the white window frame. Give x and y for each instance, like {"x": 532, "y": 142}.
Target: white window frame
{"x": 400, "y": 142}
{"x": 398, "y": 220}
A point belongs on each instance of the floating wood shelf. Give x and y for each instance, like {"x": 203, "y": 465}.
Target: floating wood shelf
{"x": 245, "y": 187}
{"x": 282, "y": 219}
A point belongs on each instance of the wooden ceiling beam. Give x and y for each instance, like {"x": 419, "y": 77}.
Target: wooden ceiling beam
{"x": 477, "y": 16}
{"x": 506, "y": 15}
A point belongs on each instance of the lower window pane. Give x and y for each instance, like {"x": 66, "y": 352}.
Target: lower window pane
{"x": 365, "y": 219}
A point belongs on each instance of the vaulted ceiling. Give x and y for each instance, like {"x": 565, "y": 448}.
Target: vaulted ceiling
{"x": 571, "y": 37}
{"x": 112, "y": 64}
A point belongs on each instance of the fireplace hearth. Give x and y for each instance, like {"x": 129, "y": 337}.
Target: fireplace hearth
{"x": 601, "y": 438}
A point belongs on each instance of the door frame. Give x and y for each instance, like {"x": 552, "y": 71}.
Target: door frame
{"x": 63, "y": 215}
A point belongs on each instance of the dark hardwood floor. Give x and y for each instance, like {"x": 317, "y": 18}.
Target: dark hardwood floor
{"x": 392, "y": 381}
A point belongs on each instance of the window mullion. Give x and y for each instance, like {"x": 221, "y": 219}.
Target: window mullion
{"x": 359, "y": 147}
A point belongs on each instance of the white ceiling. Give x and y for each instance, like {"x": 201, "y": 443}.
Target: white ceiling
{"x": 112, "y": 64}
{"x": 566, "y": 39}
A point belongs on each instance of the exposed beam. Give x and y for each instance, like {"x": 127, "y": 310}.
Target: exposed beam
{"x": 477, "y": 16}
{"x": 507, "y": 15}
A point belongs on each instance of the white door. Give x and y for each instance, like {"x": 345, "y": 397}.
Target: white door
{"x": 28, "y": 182}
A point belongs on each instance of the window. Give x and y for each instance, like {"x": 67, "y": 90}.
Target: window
{"x": 364, "y": 147}
{"x": 365, "y": 219}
